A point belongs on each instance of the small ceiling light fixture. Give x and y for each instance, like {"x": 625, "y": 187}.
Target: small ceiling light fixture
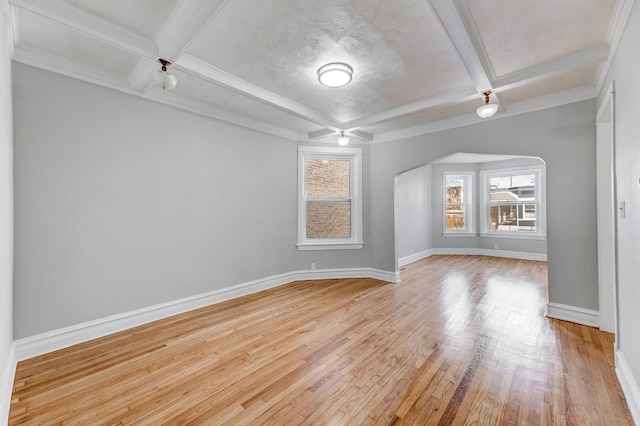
{"x": 342, "y": 139}
{"x": 487, "y": 110}
{"x": 163, "y": 78}
{"x": 335, "y": 74}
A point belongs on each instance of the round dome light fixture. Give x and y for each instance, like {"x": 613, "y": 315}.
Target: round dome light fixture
{"x": 335, "y": 74}
{"x": 487, "y": 110}
{"x": 163, "y": 78}
{"x": 342, "y": 139}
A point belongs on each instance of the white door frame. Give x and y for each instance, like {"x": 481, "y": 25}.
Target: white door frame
{"x": 606, "y": 213}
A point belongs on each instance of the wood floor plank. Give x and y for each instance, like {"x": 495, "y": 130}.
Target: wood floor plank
{"x": 462, "y": 339}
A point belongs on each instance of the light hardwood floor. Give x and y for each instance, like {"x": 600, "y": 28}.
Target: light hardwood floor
{"x": 462, "y": 340}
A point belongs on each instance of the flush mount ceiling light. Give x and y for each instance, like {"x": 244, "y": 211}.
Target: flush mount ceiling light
{"x": 163, "y": 78}
{"x": 335, "y": 74}
{"x": 342, "y": 139}
{"x": 487, "y": 110}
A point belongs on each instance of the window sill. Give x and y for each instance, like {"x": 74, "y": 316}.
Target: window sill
{"x": 520, "y": 236}
{"x": 459, "y": 234}
{"x": 330, "y": 246}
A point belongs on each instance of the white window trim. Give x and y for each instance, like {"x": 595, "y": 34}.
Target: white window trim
{"x": 469, "y": 217}
{"x": 355, "y": 156}
{"x": 541, "y": 222}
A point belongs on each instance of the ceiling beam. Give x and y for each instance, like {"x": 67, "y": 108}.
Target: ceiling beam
{"x": 543, "y": 102}
{"x": 585, "y": 58}
{"x": 205, "y": 71}
{"x": 188, "y": 19}
{"x": 448, "y": 98}
{"x": 318, "y": 134}
{"x": 59, "y": 65}
{"x": 90, "y": 25}
{"x": 358, "y": 134}
{"x": 455, "y": 17}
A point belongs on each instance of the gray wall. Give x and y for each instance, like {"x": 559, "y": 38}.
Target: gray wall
{"x": 625, "y": 70}
{"x": 123, "y": 203}
{"x": 6, "y": 215}
{"x": 414, "y": 211}
{"x": 564, "y": 137}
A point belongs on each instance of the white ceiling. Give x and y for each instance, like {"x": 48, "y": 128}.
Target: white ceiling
{"x": 419, "y": 65}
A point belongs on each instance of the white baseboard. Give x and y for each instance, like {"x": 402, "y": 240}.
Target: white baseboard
{"x": 50, "y": 341}
{"x": 6, "y": 385}
{"x": 573, "y": 314}
{"x": 403, "y": 261}
{"x": 328, "y": 274}
{"x": 490, "y": 252}
{"x": 629, "y": 386}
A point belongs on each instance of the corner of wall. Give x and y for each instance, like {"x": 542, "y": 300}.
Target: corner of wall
{"x": 629, "y": 385}
{"x": 575, "y": 314}
{"x": 6, "y": 385}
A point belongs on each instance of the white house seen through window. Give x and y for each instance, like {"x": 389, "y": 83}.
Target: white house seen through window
{"x": 514, "y": 202}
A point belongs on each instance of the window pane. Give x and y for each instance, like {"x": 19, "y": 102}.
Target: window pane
{"x": 529, "y": 211}
{"x": 512, "y": 181}
{"x": 513, "y": 188}
{"x": 455, "y": 217}
{"x": 512, "y": 217}
{"x": 327, "y": 178}
{"x": 455, "y": 191}
{"x": 328, "y": 219}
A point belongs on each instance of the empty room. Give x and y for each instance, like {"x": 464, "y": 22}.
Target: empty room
{"x": 319, "y": 212}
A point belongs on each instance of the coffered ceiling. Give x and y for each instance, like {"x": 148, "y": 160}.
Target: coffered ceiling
{"x": 419, "y": 65}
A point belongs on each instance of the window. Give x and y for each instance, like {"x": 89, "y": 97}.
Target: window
{"x": 513, "y": 203}
{"x": 329, "y": 198}
{"x": 458, "y": 208}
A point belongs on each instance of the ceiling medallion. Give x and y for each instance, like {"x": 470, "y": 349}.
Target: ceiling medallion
{"x": 335, "y": 74}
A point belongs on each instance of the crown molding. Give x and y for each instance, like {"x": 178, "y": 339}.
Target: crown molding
{"x": 184, "y": 103}
{"x": 449, "y": 98}
{"x": 616, "y": 28}
{"x": 543, "y": 102}
{"x": 455, "y": 18}
{"x": 49, "y": 62}
{"x": 207, "y": 72}
{"x": 90, "y": 25}
{"x": 13, "y": 30}
{"x": 100, "y": 77}
{"x": 548, "y": 69}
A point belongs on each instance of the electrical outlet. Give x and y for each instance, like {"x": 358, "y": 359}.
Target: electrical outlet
{"x": 313, "y": 266}
{"x": 496, "y": 247}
